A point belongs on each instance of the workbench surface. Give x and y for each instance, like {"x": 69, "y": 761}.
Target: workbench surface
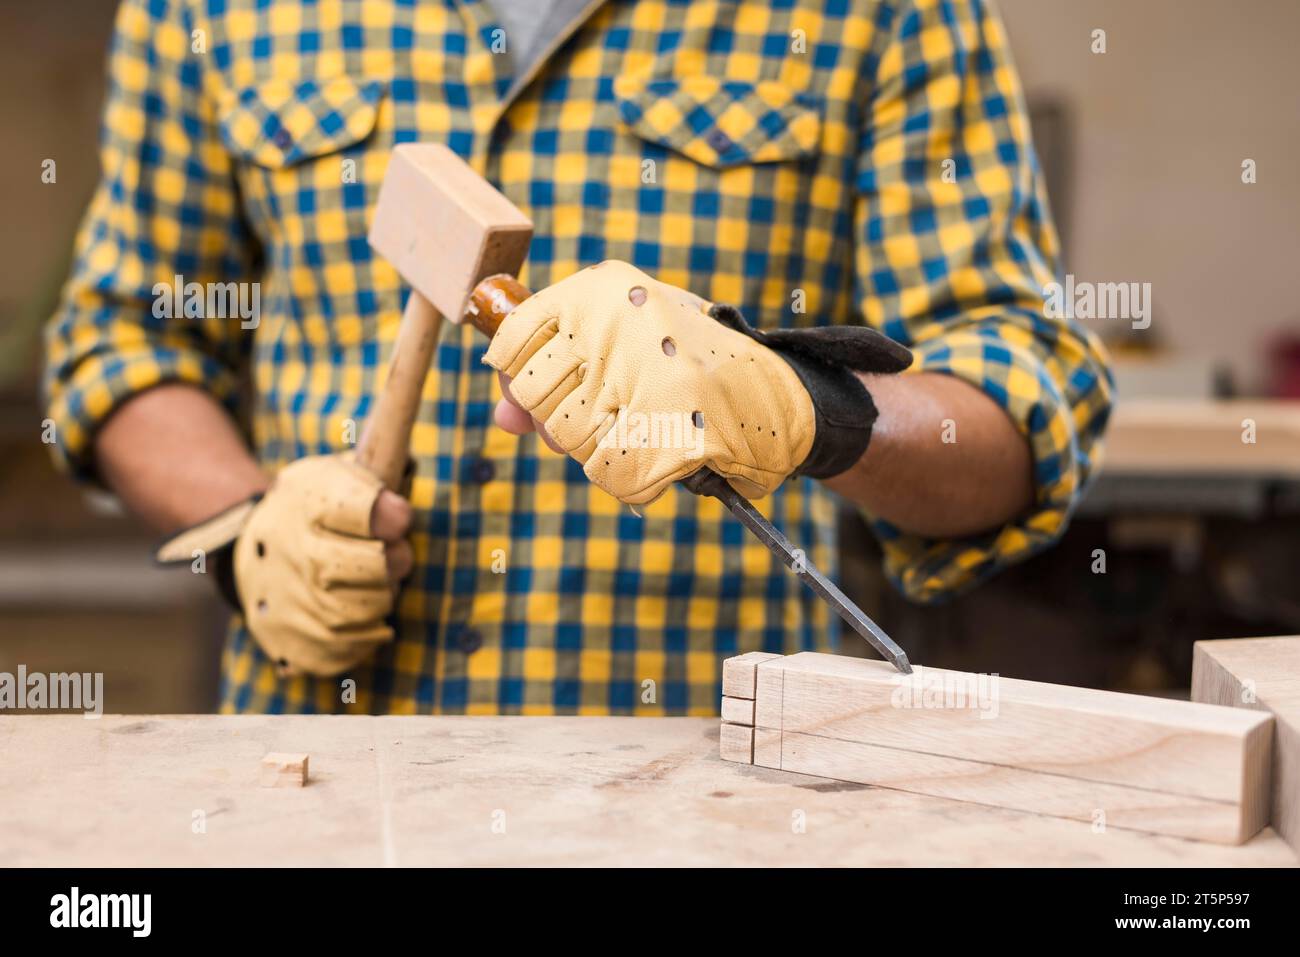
{"x": 128, "y": 790}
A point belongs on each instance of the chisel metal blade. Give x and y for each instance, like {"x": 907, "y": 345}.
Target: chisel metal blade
{"x": 708, "y": 482}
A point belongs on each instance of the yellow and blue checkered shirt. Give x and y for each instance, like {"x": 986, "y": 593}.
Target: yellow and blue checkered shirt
{"x": 811, "y": 161}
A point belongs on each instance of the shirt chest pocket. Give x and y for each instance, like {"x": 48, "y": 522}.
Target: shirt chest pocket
{"x": 281, "y": 123}
{"x": 720, "y": 123}
{"x": 726, "y": 181}
{"x": 308, "y": 164}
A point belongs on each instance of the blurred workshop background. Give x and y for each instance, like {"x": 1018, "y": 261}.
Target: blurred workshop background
{"x": 1144, "y": 148}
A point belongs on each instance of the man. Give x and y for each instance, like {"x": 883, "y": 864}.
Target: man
{"x": 814, "y": 164}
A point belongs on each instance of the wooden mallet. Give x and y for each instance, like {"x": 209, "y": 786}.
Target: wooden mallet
{"x": 459, "y": 243}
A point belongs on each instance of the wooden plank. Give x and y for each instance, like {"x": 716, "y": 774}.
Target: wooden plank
{"x": 738, "y": 673}
{"x": 132, "y": 791}
{"x": 1156, "y": 743}
{"x": 1179, "y": 759}
{"x": 1182, "y": 436}
{"x": 1261, "y": 674}
{"x": 738, "y": 711}
{"x": 736, "y": 743}
{"x": 1099, "y": 805}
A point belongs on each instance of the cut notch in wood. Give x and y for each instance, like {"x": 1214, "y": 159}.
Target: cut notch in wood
{"x": 739, "y": 674}
{"x": 738, "y": 711}
{"x": 736, "y": 743}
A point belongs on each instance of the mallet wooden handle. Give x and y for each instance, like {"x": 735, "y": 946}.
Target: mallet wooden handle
{"x": 385, "y": 445}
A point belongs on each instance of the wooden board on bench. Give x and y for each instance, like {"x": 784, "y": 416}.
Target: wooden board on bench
{"x": 1113, "y": 760}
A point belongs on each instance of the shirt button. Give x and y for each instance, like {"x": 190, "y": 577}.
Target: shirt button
{"x": 483, "y": 471}
{"x": 470, "y": 640}
{"x": 282, "y": 139}
{"x": 719, "y": 140}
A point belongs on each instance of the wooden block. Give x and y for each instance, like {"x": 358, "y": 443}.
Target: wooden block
{"x": 738, "y": 673}
{"x": 738, "y": 711}
{"x": 1262, "y": 674}
{"x": 280, "y": 770}
{"x": 1173, "y": 767}
{"x": 736, "y": 743}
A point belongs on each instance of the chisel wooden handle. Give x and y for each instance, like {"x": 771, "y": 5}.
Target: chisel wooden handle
{"x": 385, "y": 445}
{"x": 492, "y": 300}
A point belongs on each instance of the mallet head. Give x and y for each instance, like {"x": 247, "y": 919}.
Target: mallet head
{"x": 444, "y": 227}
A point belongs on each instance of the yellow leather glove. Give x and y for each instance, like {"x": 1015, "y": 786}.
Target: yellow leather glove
{"x": 312, "y": 582}
{"x": 645, "y": 384}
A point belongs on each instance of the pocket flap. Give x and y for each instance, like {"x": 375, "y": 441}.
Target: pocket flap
{"x": 282, "y": 122}
{"x": 721, "y": 122}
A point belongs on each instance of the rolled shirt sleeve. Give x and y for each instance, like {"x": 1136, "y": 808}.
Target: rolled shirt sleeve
{"x": 956, "y": 245}
{"x": 166, "y": 213}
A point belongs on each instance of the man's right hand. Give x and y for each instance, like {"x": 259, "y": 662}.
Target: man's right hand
{"x": 316, "y": 562}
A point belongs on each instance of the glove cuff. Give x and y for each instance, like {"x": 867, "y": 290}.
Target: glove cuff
{"x": 215, "y": 538}
{"x": 844, "y": 412}
{"x": 842, "y": 407}
{"x": 221, "y": 566}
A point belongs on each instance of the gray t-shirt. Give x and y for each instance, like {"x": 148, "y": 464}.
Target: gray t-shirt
{"x": 528, "y": 29}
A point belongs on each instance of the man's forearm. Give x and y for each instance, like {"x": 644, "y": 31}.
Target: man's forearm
{"x": 944, "y": 460}
{"x": 174, "y": 457}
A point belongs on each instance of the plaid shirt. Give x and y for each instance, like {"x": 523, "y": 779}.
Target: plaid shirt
{"x": 812, "y": 161}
